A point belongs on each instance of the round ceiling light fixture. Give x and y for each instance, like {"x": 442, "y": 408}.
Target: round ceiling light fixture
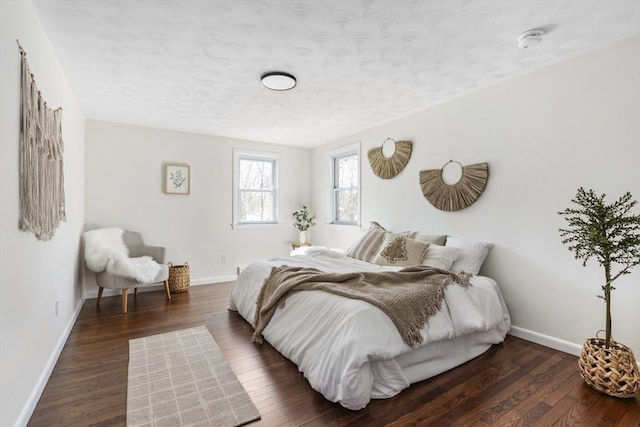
{"x": 530, "y": 38}
{"x": 278, "y": 80}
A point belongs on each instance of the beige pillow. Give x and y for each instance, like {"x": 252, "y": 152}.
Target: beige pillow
{"x": 367, "y": 247}
{"x": 369, "y": 244}
{"x": 441, "y": 256}
{"x": 400, "y": 251}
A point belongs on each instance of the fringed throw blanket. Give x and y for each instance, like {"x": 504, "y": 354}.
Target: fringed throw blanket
{"x": 41, "y": 168}
{"x": 409, "y": 297}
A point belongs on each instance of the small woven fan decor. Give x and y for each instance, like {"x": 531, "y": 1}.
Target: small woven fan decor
{"x": 612, "y": 370}
{"x": 456, "y": 196}
{"x": 388, "y": 167}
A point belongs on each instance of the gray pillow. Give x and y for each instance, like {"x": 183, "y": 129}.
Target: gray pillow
{"x": 432, "y": 238}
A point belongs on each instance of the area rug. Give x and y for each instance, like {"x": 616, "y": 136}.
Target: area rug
{"x": 181, "y": 379}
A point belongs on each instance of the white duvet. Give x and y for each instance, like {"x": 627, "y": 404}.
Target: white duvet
{"x": 346, "y": 347}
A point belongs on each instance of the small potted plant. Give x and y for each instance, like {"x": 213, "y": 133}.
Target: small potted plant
{"x": 303, "y": 221}
{"x": 610, "y": 233}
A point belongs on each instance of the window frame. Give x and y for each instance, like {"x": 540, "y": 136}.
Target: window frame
{"x": 334, "y": 156}
{"x": 251, "y": 155}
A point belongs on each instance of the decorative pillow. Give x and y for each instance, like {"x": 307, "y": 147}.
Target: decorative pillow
{"x": 432, "y": 238}
{"x": 472, "y": 256}
{"x": 441, "y": 256}
{"x": 400, "y": 251}
{"x": 369, "y": 244}
{"x": 367, "y": 247}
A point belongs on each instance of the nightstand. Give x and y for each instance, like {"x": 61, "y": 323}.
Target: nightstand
{"x": 296, "y": 245}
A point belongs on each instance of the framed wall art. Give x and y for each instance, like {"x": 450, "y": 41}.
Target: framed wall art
{"x": 177, "y": 178}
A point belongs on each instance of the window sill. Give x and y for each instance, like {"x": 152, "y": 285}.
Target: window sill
{"x": 343, "y": 224}
{"x": 249, "y": 226}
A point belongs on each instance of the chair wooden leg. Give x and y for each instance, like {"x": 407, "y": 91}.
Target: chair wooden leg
{"x": 124, "y": 301}
{"x": 166, "y": 288}
{"x": 100, "y": 289}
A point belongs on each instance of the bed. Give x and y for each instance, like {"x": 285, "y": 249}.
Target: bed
{"x": 349, "y": 350}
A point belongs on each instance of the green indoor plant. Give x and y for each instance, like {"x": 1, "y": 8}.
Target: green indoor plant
{"x": 303, "y": 220}
{"x": 610, "y": 233}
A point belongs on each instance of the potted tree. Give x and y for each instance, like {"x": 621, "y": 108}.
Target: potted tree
{"x": 303, "y": 220}
{"x": 610, "y": 233}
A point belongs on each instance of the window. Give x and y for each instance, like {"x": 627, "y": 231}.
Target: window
{"x": 255, "y": 188}
{"x": 345, "y": 167}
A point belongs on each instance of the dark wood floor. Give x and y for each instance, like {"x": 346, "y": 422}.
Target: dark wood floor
{"x": 515, "y": 383}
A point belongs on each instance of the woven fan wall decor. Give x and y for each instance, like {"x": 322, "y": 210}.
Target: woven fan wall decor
{"x": 388, "y": 167}
{"x": 456, "y": 196}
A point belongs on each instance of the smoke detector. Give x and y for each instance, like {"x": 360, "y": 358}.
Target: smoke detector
{"x": 530, "y": 38}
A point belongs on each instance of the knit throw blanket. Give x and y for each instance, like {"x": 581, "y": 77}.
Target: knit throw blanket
{"x": 409, "y": 297}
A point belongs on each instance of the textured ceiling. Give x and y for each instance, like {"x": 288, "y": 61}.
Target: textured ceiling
{"x": 194, "y": 65}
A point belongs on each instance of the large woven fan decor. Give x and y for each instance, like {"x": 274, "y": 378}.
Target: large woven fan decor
{"x": 454, "y": 197}
{"x": 388, "y": 167}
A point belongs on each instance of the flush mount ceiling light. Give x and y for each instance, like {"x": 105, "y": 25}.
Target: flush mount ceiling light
{"x": 530, "y": 38}
{"x": 278, "y": 80}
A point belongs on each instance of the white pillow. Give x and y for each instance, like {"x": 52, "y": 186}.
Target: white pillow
{"x": 472, "y": 256}
{"x": 441, "y": 256}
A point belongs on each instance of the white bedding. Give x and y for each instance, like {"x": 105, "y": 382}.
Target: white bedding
{"x": 350, "y": 351}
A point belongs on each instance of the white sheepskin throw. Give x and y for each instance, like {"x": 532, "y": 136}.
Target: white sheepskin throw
{"x": 104, "y": 250}
{"x": 101, "y": 245}
{"x": 142, "y": 269}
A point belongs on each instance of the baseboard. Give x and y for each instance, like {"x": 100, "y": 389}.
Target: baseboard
{"x": 547, "y": 341}
{"x": 217, "y": 279}
{"x": 93, "y": 293}
{"x": 30, "y": 406}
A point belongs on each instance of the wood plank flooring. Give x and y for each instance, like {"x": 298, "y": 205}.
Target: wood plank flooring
{"x": 516, "y": 383}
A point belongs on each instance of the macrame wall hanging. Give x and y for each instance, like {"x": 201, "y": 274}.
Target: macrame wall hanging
{"x": 454, "y": 197}
{"x": 388, "y": 167}
{"x": 41, "y": 167}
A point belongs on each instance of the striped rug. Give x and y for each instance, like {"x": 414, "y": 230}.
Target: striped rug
{"x": 181, "y": 379}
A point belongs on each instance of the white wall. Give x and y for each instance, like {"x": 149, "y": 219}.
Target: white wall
{"x": 124, "y": 188}
{"x": 33, "y": 273}
{"x": 544, "y": 134}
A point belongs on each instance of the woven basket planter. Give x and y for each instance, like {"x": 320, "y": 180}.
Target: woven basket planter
{"x": 179, "y": 278}
{"x": 612, "y": 370}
